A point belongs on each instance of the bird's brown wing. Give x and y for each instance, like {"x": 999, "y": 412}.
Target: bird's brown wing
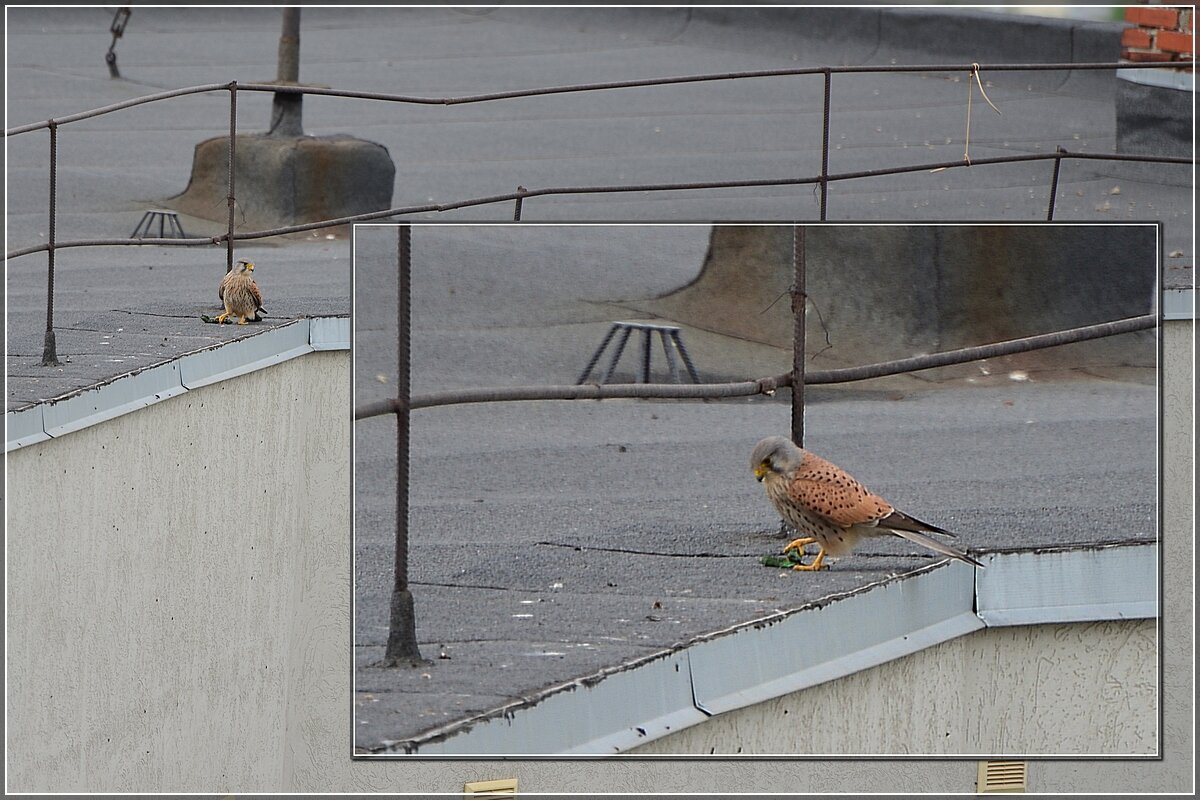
{"x": 834, "y": 494}
{"x": 900, "y": 521}
{"x": 223, "y": 284}
{"x": 255, "y": 294}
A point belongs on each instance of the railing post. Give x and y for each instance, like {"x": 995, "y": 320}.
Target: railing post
{"x": 517, "y": 206}
{"x": 230, "y": 200}
{"x": 825, "y": 144}
{"x": 402, "y": 647}
{"x": 49, "y": 346}
{"x": 799, "y": 308}
{"x": 1058, "y": 154}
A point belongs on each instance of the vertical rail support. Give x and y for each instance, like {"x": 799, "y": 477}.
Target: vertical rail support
{"x": 49, "y": 347}
{"x": 591, "y": 364}
{"x": 519, "y": 202}
{"x": 683, "y": 354}
{"x": 668, "y": 346}
{"x": 799, "y": 313}
{"x": 644, "y": 372}
{"x": 616, "y": 356}
{"x": 230, "y": 200}
{"x": 1058, "y": 154}
{"x": 825, "y": 145}
{"x": 402, "y": 647}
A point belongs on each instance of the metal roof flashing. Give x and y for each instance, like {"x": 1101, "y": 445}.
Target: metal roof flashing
{"x": 1162, "y": 78}
{"x": 135, "y": 390}
{"x": 622, "y": 707}
{"x": 1179, "y": 303}
{"x": 1102, "y": 582}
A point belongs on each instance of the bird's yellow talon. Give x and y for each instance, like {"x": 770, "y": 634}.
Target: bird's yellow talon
{"x": 818, "y": 563}
{"x": 798, "y": 544}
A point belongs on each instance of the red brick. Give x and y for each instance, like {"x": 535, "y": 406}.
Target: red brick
{"x": 1152, "y": 17}
{"x": 1173, "y": 42}
{"x": 1143, "y": 55}
{"x": 1136, "y": 37}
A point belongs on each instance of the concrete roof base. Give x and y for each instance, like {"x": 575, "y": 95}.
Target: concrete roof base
{"x": 288, "y": 180}
{"x": 883, "y": 292}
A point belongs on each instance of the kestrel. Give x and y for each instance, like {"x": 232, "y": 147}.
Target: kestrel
{"x": 822, "y": 500}
{"x": 240, "y": 293}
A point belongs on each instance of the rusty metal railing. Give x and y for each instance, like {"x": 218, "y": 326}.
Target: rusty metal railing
{"x": 822, "y": 180}
{"x": 401, "y": 643}
{"x": 749, "y": 388}
{"x": 401, "y": 646}
{"x": 402, "y": 649}
{"x": 518, "y": 197}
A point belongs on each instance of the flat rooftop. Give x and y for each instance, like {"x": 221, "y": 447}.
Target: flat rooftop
{"x": 119, "y": 311}
{"x": 551, "y": 540}
{"x": 556, "y": 541}
{"x": 115, "y": 167}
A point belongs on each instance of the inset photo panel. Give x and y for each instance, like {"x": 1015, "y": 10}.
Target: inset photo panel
{"x": 756, "y": 490}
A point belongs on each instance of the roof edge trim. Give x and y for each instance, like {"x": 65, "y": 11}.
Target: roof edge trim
{"x": 1179, "y": 303}
{"x": 51, "y": 419}
{"x": 1082, "y": 585}
{"x": 768, "y": 658}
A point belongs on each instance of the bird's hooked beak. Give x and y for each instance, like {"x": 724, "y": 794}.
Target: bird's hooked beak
{"x": 249, "y": 267}
{"x": 761, "y": 471}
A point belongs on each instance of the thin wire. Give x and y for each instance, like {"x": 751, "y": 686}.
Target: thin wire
{"x": 970, "y": 96}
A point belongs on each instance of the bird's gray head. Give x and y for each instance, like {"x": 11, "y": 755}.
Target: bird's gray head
{"x": 775, "y": 454}
{"x": 245, "y": 265}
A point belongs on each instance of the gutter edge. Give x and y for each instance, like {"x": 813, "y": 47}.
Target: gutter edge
{"x": 124, "y": 394}
{"x": 965, "y": 617}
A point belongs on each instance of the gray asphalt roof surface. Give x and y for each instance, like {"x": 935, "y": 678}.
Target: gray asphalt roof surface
{"x": 549, "y": 540}
{"x": 112, "y": 318}
{"x": 611, "y": 500}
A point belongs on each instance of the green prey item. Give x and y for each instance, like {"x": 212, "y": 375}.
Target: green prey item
{"x": 786, "y": 561}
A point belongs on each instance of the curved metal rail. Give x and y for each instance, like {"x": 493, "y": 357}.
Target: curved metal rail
{"x": 748, "y": 388}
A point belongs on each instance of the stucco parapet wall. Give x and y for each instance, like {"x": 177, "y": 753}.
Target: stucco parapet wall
{"x": 135, "y": 390}
{"x": 637, "y": 702}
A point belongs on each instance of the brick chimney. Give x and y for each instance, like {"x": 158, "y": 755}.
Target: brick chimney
{"x": 1161, "y": 33}
{"x": 1154, "y": 106}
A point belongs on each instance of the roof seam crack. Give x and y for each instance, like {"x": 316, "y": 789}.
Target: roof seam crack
{"x": 631, "y": 551}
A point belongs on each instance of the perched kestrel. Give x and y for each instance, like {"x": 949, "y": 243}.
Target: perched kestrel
{"x": 822, "y": 500}
{"x": 240, "y": 293}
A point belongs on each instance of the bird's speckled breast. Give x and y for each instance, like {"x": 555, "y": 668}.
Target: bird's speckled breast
{"x": 800, "y": 518}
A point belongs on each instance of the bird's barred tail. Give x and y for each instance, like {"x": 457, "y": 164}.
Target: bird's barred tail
{"x": 934, "y": 544}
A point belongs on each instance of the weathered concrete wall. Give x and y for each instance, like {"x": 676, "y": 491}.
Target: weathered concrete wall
{"x": 178, "y": 588}
{"x": 1174, "y": 773}
{"x": 1179, "y": 558}
{"x": 1094, "y": 689}
{"x": 215, "y": 719}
